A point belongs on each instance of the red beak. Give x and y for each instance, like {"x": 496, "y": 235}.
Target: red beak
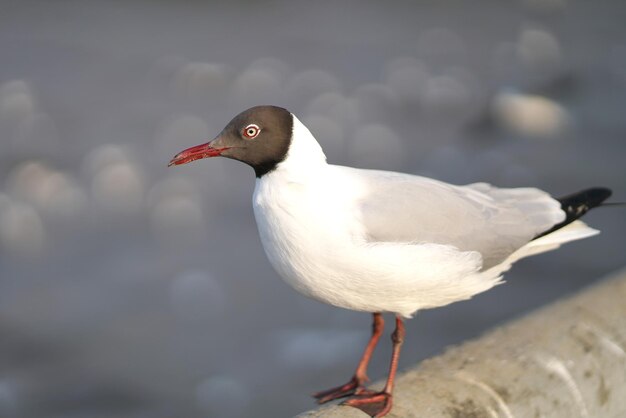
{"x": 196, "y": 153}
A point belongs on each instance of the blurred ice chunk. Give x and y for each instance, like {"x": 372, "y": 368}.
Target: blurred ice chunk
{"x": 27, "y": 128}
{"x": 446, "y": 95}
{"x": 16, "y": 100}
{"x": 180, "y": 132}
{"x": 273, "y": 65}
{"x": 48, "y": 189}
{"x": 117, "y": 183}
{"x": 175, "y": 185}
{"x": 311, "y": 83}
{"x": 176, "y": 215}
{"x": 26, "y": 180}
{"x": 407, "y": 77}
{"x": 539, "y": 51}
{"x": 375, "y": 100}
{"x": 223, "y": 396}
{"x": 168, "y": 65}
{"x": 328, "y": 133}
{"x": 529, "y": 115}
{"x": 200, "y": 79}
{"x": 36, "y": 133}
{"x": 177, "y": 220}
{"x": 21, "y": 229}
{"x": 104, "y": 156}
{"x": 119, "y": 187}
{"x": 197, "y": 297}
{"x": 377, "y": 146}
{"x": 257, "y": 85}
{"x": 313, "y": 349}
{"x": 336, "y": 106}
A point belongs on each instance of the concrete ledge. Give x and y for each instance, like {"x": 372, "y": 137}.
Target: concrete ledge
{"x": 566, "y": 360}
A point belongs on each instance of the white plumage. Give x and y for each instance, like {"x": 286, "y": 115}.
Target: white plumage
{"x": 379, "y": 241}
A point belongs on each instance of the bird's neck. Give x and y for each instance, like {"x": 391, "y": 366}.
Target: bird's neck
{"x": 304, "y": 158}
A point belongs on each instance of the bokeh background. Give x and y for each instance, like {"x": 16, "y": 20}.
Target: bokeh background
{"x": 132, "y": 290}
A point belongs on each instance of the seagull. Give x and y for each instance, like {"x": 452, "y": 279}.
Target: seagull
{"x": 381, "y": 241}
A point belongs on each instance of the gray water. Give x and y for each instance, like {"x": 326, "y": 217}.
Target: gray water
{"x": 128, "y": 289}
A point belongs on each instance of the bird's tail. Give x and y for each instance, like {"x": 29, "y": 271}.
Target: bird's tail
{"x": 577, "y": 204}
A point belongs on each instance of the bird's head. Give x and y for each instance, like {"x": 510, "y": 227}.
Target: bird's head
{"x": 259, "y": 137}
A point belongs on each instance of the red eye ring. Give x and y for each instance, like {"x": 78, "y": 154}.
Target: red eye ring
{"x": 251, "y": 131}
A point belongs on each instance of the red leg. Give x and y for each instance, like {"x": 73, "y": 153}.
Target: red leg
{"x": 355, "y": 385}
{"x": 379, "y": 404}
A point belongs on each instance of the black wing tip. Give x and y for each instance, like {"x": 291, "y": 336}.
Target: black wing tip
{"x": 589, "y": 198}
{"x": 577, "y": 204}
{"x": 601, "y": 193}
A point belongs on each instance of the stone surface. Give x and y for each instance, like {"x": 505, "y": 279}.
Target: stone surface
{"x": 565, "y": 360}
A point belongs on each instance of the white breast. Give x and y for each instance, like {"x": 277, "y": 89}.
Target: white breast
{"x": 305, "y": 233}
{"x": 305, "y": 223}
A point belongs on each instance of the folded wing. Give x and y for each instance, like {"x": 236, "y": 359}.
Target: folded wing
{"x": 495, "y": 222}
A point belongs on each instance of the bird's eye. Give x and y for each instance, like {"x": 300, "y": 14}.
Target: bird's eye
{"x": 251, "y": 131}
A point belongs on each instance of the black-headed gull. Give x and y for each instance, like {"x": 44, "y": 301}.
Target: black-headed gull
{"x": 379, "y": 241}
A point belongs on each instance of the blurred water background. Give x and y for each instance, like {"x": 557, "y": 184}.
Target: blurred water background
{"x": 132, "y": 290}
